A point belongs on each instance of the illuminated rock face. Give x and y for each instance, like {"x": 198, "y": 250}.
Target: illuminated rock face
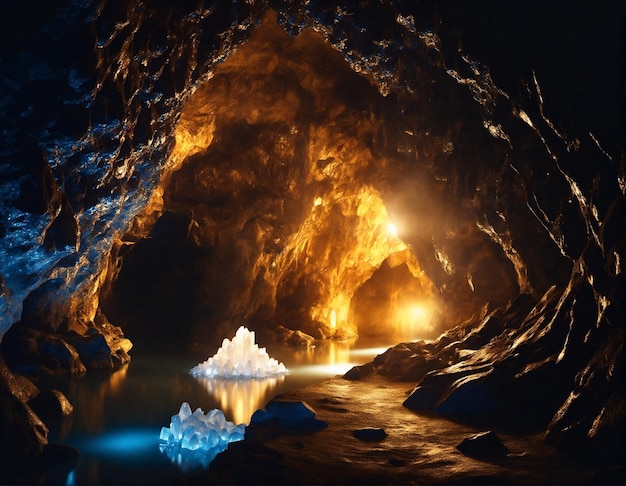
{"x": 275, "y": 207}
{"x": 274, "y": 203}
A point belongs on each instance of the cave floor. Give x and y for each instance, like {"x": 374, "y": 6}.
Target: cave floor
{"x": 418, "y": 449}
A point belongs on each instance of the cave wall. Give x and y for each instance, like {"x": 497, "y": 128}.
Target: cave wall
{"x": 280, "y": 200}
{"x": 510, "y": 171}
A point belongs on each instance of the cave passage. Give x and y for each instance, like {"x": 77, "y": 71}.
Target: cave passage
{"x": 272, "y": 210}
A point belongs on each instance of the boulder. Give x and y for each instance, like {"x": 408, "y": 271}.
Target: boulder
{"x": 359, "y": 372}
{"x": 295, "y": 338}
{"x": 23, "y": 435}
{"x": 51, "y": 404}
{"x": 244, "y": 462}
{"x": 484, "y": 446}
{"x": 57, "y": 461}
{"x": 34, "y": 352}
{"x": 93, "y": 349}
{"x": 284, "y": 417}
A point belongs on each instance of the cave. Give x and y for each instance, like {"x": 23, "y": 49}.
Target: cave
{"x": 424, "y": 180}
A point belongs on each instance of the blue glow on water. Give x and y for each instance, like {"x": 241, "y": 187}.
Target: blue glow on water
{"x": 127, "y": 441}
{"x": 71, "y": 479}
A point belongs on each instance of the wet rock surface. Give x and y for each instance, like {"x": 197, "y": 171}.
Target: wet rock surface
{"x": 294, "y": 338}
{"x": 51, "y": 404}
{"x": 484, "y": 445}
{"x": 284, "y": 417}
{"x": 24, "y": 435}
{"x": 246, "y": 462}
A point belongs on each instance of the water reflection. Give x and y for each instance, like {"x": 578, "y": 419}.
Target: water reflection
{"x": 188, "y": 460}
{"x": 328, "y": 358}
{"x": 240, "y": 398}
{"x": 123, "y": 441}
{"x": 325, "y": 353}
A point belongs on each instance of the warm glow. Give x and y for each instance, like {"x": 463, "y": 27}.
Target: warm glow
{"x": 343, "y": 236}
{"x": 366, "y": 243}
{"x": 417, "y": 312}
{"x": 413, "y": 321}
{"x": 117, "y": 378}
{"x": 329, "y": 358}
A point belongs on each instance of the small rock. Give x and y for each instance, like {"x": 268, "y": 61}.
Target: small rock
{"x": 284, "y": 411}
{"x": 485, "y": 445}
{"x": 370, "y": 434}
{"x": 282, "y": 417}
{"x": 359, "y": 372}
{"x": 295, "y": 338}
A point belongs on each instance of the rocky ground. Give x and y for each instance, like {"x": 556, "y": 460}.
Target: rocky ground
{"x": 417, "y": 449}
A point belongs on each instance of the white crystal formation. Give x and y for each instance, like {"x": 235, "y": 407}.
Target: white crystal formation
{"x": 197, "y": 431}
{"x": 240, "y": 358}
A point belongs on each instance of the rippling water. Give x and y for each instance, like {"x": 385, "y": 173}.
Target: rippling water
{"x": 118, "y": 416}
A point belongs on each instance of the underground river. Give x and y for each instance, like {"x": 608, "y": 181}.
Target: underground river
{"x": 118, "y": 415}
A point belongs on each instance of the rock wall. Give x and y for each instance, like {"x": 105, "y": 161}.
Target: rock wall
{"x": 508, "y": 174}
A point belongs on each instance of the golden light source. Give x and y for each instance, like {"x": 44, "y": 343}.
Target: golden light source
{"x": 392, "y": 229}
{"x": 414, "y": 320}
{"x": 333, "y": 319}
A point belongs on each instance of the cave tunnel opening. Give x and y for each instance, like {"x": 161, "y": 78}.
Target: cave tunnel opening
{"x": 272, "y": 211}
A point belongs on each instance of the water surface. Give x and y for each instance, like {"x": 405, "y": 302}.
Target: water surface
{"x": 118, "y": 415}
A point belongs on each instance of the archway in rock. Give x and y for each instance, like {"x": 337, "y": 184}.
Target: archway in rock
{"x": 272, "y": 210}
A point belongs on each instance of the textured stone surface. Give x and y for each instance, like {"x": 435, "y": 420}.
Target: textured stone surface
{"x": 524, "y": 250}
{"x": 51, "y": 404}
{"x": 24, "y": 435}
{"x": 283, "y": 417}
{"x": 485, "y": 445}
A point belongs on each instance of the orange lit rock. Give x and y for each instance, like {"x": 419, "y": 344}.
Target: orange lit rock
{"x": 272, "y": 205}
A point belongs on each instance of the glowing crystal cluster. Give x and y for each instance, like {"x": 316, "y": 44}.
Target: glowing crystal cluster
{"x": 240, "y": 358}
{"x": 197, "y": 431}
